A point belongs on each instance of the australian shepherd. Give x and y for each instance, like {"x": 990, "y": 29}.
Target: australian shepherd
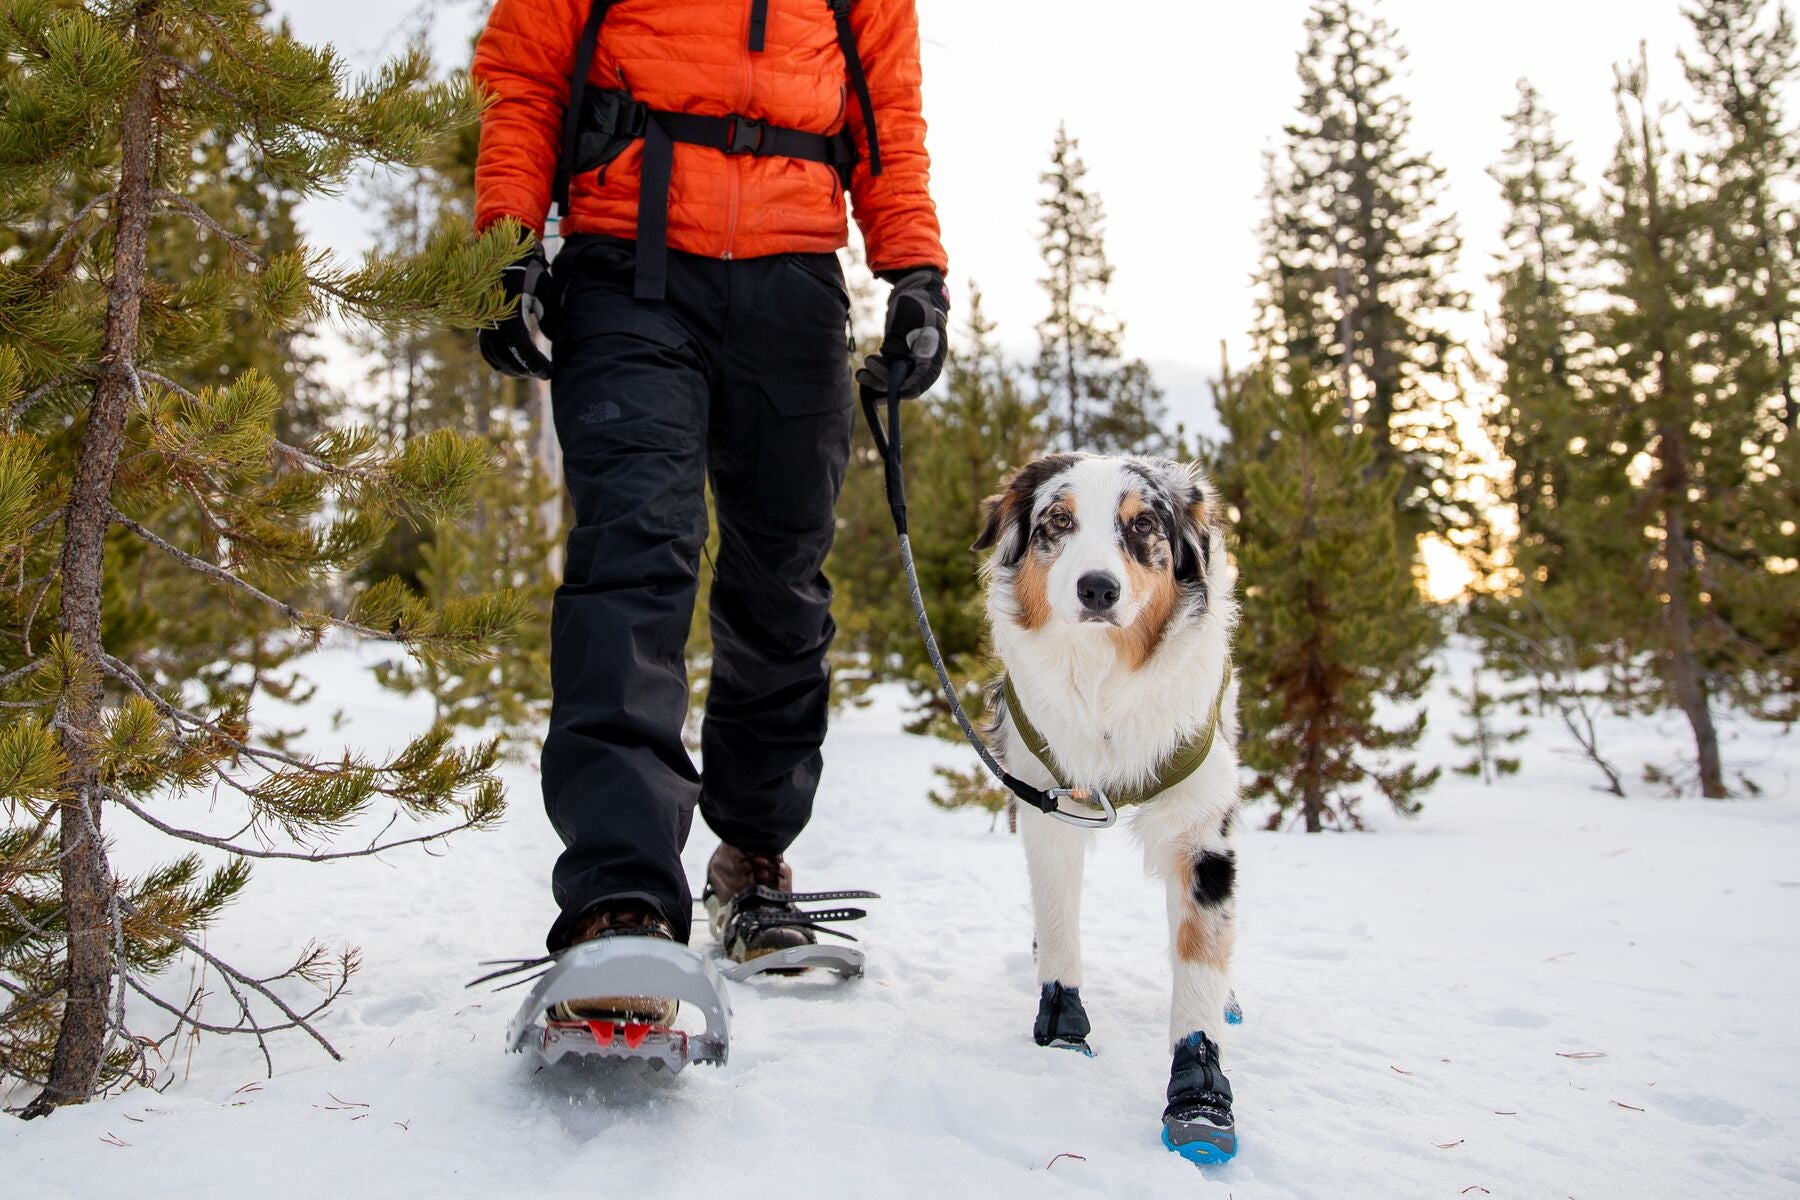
{"x": 1110, "y": 599}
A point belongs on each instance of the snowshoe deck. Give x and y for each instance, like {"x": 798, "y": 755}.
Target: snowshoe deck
{"x": 846, "y": 961}
{"x": 620, "y": 966}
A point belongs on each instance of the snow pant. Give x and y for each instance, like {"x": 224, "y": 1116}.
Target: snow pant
{"x": 740, "y": 375}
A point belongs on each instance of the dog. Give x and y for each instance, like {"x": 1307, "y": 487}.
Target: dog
{"x": 1110, "y": 599}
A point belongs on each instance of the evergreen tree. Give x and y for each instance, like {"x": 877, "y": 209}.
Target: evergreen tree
{"x": 1100, "y": 401}
{"x": 1332, "y": 620}
{"x": 1746, "y": 57}
{"x": 1355, "y": 276}
{"x": 1487, "y": 741}
{"x": 1691, "y": 431}
{"x": 102, "y": 444}
{"x": 433, "y": 378}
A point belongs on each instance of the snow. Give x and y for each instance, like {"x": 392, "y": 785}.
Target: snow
{"x": 1413, "y": 997}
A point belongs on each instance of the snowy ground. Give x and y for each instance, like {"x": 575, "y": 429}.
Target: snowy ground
{"x": 1415, "y": 998}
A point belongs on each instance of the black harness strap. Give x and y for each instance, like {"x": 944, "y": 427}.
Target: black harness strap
{"x": 728, "y": 135}
{"x": 840, "y": 10}
{"x": 759, "y": 25}
{"x": 578, "y": 82}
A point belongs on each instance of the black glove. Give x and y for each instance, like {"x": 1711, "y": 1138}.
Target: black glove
{"x": 508, "y": 347}
{"x": 918, "y": 325}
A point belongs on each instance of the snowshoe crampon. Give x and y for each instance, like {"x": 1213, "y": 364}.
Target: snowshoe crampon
{"x": 621, "y": 966}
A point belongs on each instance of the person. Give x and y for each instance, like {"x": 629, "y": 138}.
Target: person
{"x": 698, "y": 320}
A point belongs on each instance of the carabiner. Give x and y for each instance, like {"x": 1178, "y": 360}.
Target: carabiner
{"x": 1108, "y": 814}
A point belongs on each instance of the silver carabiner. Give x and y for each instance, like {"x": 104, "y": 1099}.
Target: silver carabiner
{"x": 1108, "y": 815}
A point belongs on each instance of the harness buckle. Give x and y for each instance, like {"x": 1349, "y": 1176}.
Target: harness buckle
{"x": 745, "y": 135}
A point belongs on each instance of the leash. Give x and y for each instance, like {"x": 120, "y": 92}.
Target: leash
{"x": 887, "y": 441}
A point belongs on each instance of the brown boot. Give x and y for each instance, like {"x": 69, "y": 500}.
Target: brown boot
{"x": 732, "y": 871}
{"x": 626, "y": 920}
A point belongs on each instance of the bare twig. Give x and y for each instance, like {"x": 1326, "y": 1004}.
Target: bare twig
{"x": 231, "y": 974}
{"x": 81, "y": 214}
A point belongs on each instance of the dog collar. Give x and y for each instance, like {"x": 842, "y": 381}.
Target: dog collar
{"x": 1184, "y": 762}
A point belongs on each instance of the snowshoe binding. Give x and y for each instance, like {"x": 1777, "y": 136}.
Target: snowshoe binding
{"x": 1062, "y": 1023}
{"x": 754, "y": 912}
{"x": 1197, "y": 1123}
{"x": 615, "y": 994}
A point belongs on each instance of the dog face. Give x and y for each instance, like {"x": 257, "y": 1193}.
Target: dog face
{"x": 1115, "y": 546}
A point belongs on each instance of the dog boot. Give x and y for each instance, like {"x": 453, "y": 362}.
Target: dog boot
{"x": 1197, "y": 1123}
{"x": 621, "y": 921}
{"x": 1061, "y": 1021}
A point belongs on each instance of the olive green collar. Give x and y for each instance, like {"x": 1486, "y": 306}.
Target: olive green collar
{"x": 1184, "y": 762}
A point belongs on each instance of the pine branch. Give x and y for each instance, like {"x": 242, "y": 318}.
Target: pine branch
{"x": 231, "y": 973}
{"x": 212, "y": 571}
{"x": 190, "y": 835}
{"x": 31, "y": 398}
{"x": 75, "y": 222}
{"x": 242, "y": 246}
{"x": 12, "y": 677}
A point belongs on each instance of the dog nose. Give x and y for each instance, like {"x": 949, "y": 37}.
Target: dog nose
{"x": 1098, "y": 591}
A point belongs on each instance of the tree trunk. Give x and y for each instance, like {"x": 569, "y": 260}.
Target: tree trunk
{"x": 1684, "y": 665}
{"x": 86, "y": 875}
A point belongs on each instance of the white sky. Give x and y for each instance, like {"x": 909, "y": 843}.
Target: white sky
{"x": 1174, "y": 105}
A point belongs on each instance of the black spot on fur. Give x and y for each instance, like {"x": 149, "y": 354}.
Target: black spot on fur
{"x": 1009, "y": 512}
{"x": 1227, "y": 823}
{"x": 1215, "y": 878}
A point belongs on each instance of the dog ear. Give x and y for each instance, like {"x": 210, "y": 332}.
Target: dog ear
{"x": 1197, "y": 528}
{"x": 1002, "y": 526}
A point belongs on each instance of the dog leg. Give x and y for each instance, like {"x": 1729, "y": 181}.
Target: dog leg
{"x": 1054, "y": 856}
{"x": 1197, "y": 1124}
{"x": 1202, "y": 930}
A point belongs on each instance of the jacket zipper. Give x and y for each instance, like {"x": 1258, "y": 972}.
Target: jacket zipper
{"x": 746, "y": 77}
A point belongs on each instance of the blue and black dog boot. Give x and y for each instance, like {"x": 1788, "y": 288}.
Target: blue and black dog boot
{"x": 1197, "y": 1123}
{"x": 1061, "y": 1021}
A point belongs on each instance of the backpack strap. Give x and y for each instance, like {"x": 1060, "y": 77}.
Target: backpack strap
{"x": 840, "y": 10}
{"x": 578, "y": 82}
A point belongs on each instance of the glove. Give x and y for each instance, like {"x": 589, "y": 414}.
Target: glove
{"x": 918, "y": 320}
{"x": 508, "y": 347}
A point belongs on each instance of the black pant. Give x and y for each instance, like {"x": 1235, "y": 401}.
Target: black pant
{"x": 741, "y": 373}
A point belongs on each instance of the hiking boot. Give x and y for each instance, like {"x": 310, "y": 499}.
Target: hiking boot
{"x": 625, "y": 920}
{"x": 739, "y": 885}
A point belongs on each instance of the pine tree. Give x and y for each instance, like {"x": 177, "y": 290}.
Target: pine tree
{"x": 95, "y": 328}
{"x": 1355, "y": 277}
{"x": 1690, "y": 429}
{"x": 1101, "y": 401}
{"x": 1747, "y": 59}
{"x": 1570, "y": 554}
{"x": 1746, "y": 56}
{"x": 1484, "y": 738}
{"x": 1331, "y": 620}
{"x": 433, "y": 378}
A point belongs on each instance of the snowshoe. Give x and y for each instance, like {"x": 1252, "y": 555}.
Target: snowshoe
{"x": 617, "y": 969}
{"x": 1062, "y": 1023}
{"x": 1197, "y": 1123}
{"x": 758, "y": 930}
{"x": 753, "y": 911}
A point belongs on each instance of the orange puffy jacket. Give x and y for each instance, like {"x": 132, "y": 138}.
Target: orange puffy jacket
{"x": 694, "y": 56}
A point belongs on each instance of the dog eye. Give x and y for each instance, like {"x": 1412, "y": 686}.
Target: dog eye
{"x": 1060, "y": 520}
{"x": 1144, "y": 526}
